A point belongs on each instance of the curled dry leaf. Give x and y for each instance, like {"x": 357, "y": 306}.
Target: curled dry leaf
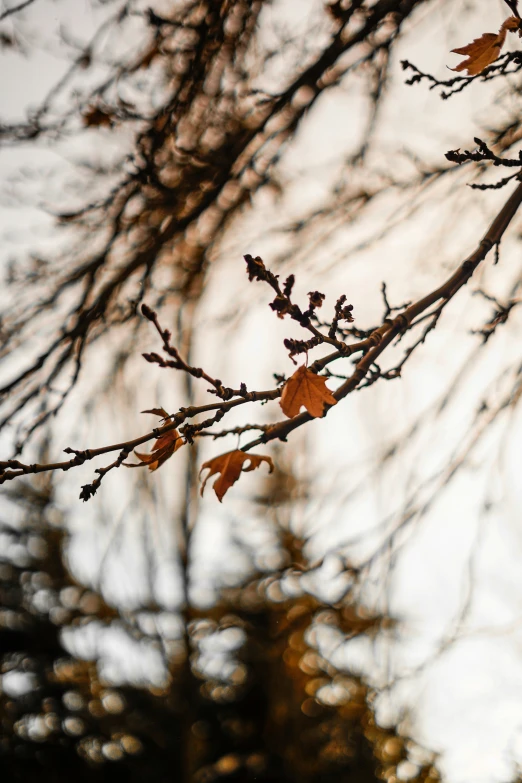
{"x": 164, "y": 446}
{"x": 230, "y": 466}
{"x": 308, "y": 389}
{"x": 484, "y": 50}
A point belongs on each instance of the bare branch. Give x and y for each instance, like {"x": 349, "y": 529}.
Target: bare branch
{"x": 373, "y": 347}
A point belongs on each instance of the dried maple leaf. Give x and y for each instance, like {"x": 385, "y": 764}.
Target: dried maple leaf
{"x": 484, "y": 50}
{"x": 308, "y": 389}
{"x": 164, "y": 446}
{"x": 230, "y": 466}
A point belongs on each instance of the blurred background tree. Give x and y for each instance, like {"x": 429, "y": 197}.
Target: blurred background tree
{"x": 256, "y": 700}
{"x": 146, "y": 148}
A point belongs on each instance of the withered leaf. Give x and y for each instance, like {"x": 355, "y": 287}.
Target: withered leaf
{"x": 307, "y": 389}
{"x": 164, "y": 447}
{"x": 230, "y": 466}
{"x": 484, "y": 50}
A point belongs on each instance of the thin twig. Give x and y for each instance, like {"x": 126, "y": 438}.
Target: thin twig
{"x": 373, "y": 347}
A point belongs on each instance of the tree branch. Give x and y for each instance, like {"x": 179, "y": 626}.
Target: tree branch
{"x": 372, "y": 348}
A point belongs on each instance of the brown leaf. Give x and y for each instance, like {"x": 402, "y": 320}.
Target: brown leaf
{"x": 164, "y": 447}
{"x": 484, "y": 50}
{"x": 230, "y": 466}
{"x": 308, "y": 389}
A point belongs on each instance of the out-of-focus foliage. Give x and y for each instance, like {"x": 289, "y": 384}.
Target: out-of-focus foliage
{"x": 257, "y": 699}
